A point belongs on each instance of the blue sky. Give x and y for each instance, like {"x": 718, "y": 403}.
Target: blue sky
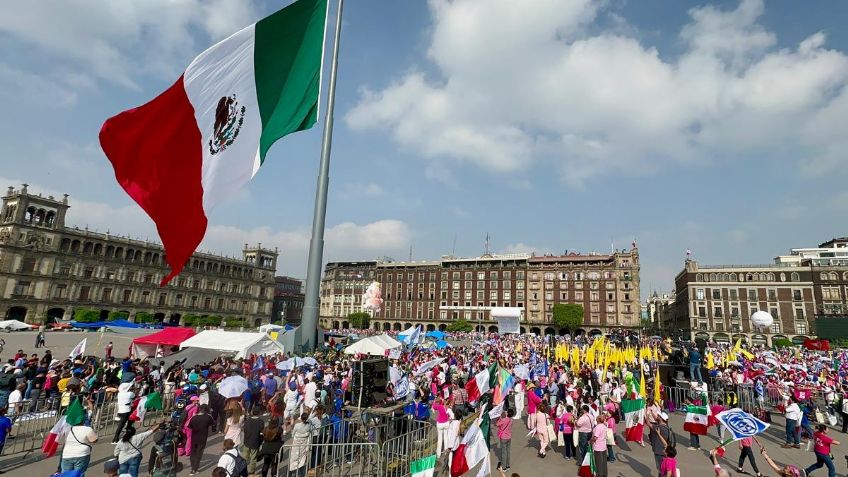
{"x": 573, "y": 125}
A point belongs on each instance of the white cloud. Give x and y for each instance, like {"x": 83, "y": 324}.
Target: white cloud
{"x": 352, "y": 190}
{"x": 37, "y": 89}
{"x": 520, "y": 87}
{"x": 522, "y": 247}
{"x": 119, "y": 41}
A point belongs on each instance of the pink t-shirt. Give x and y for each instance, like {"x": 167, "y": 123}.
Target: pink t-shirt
{"x": 504, "y": 425}
{"x": 600, "y": 435}
{"x": 611, "y": 423}
{"x": 746, "y": 442}
{"x": 668, "y": 464}
{"x": 441, "y": 413}
{"x": 566, "y": 426}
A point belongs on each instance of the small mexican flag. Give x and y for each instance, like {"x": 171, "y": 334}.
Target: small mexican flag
{"x": 697, "y": 420}
{"x": 423, "y": 467}
{"x": 587, "y": 468}
{"x": 204, "y": 137}
{"x": 478, "y": 386}
{"x": 634, "y": 419}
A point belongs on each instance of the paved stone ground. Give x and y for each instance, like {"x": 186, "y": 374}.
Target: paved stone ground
{"x": 633, "y": 460}
{"x": 60, "y": 343}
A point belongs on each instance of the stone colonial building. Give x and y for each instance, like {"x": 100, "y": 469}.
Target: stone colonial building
{"x": 49, "y": 270}
{"x": 437, "y": 293}
{"x": 716, "y": 302}
{"x": 288, "y": 300}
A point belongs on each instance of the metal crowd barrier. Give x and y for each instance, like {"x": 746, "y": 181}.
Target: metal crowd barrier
{"x": 30, "y": 429}
{"x": 358, "y": 447}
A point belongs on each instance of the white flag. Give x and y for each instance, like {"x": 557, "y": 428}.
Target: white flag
{"x": 79, "y": 349}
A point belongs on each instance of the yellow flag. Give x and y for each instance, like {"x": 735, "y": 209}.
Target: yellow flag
{"x": 642, "y": 391}
{"x": 738, "y": 349}
{"x": 657, "y": 386}
{"x": 710, "y": 361}
{"x": 575, "y": 359}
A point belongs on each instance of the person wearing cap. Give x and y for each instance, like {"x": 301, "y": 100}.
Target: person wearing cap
{"x": 660, "y": 436}
{"x": 125, "y": 399}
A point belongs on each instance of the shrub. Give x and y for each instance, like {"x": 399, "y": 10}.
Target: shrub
{"x": 117, "y": 315}
{"x": 193, "y": 320}
{"x": 86, "y": 315}
{"x": 359, "y": 319}
{"x": 144, "y": 317}
{"x": 213, "y": 320}
{"x": 782, "y": 343}
{"x": 461, "y": 325}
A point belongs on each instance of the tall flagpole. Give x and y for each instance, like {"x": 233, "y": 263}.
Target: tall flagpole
{"x": 309, "y": 322}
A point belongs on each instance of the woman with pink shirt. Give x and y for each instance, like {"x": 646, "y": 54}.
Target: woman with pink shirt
{"x": 599, "y": 446}
{"x": 566, "y": 423}
{"x": 503, "y": 451}
{"x": 610, "y": 437}
{"x": 533, "y": 401}
{"x": 442, "y": 419}
{"x": 541, "y": 422}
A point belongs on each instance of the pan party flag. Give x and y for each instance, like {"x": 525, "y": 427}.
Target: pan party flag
{"x": 204, "y": 137}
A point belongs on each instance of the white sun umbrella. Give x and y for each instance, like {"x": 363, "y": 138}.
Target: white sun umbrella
{"x": 310, "y": 361}
{"x": 233, "y": 386}
{"x": 287, "y": 365}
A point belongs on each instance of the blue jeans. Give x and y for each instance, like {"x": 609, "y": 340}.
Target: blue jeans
{"x": 76, "y": 463}
{"x": 695, "y": 372}
{"x": 610, "y": 454}
{"x": 130, "y": 466}
{"x": 4, "y": 398}
{"x": 792, "y": 436}
{"x": 822, "y": 460}
{"x": 807, "y": 427}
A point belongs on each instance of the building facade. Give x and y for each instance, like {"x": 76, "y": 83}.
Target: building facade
{"x": 288, "y": 300}
{"x": 657, "y": 309}
{"x": 437, "y": 293}
{"x": 716, "y": 302}
{"x": 828, "y": 265}
{"x": 49, "y": 270}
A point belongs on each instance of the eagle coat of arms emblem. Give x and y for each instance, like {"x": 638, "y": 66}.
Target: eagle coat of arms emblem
{"x": 228, "y": 120}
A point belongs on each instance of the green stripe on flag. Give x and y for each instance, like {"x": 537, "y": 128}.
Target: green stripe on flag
{"x": 632, "y": 405}
{"x": 696, "y": 410}
{"x": 422, "y": 466}
{"x": 287, "y": 67}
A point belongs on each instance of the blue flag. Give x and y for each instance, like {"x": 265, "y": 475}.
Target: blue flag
{"x": 740, "y": 423}
{"x": 259, "y": 364}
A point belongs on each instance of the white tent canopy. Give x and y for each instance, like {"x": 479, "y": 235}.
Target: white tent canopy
{"x": 373, "y": 345}
{"x": 13, "y": 325}
{"x": 240, "y": 343}
{"x": 507, "y": 317}
{"x": 268, "y": 328}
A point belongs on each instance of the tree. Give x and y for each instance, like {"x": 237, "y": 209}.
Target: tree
{"x": 568, "y": 316}
{"x": 233, "y": 322}
{"x": 359, "y": 319}
{"x": 193, "y": 320}
{"x": 214, "y": 320}
{"x": 117, "y": 315}
{"x": 460, "y": 325}
{"x": 144, "y": 317}
{"x": 782, "y": 343}
{"x": 86, "y": 315}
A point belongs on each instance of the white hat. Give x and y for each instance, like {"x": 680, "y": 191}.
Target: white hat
{"x": 663, "y": 416}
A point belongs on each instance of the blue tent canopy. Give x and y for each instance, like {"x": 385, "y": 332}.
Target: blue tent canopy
{"x": 442, "y": 344}
{"x": 439, "y": 335}
{"x": 99, "y": 324}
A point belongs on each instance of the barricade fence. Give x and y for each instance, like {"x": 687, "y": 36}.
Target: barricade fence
{"x": 31, "y": 428}
{"x": 362, "y": 446}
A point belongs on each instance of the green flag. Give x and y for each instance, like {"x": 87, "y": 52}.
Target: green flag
{"x": 75, "y": 414}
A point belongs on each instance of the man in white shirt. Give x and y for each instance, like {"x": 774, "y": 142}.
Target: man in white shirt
{"x": 16, "y": 399}
{"x": 309, "y": 390}
{"x": 793, "y": 418}
{"x": 125, "y": 399}
{"x": 228, "y": 460}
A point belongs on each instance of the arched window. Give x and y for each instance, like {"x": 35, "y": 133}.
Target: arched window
{"x": 771, "y": 277}
{"x": 699, "y": 277}
{"x": 749, "y": 277}
{"x": 51, "y": 217}
{"x": 834, "y": 276}
{"x": 795, "y": 277}
{"x": 823, "y": 276}
{"x": 733, "y": 277}
{"x": 29, "y": 215}
{"x": 845, "y": 276}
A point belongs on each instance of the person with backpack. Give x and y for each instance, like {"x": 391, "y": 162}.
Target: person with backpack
{"x": 661, "y": 437}
{"x": 76, "y": 454}
{"x": 8, "y": 382}
{"x": 199, "y": 426}
{"x": 232, "y": 461}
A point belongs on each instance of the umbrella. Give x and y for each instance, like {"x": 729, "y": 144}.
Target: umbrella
{"x": 310, "y": 361}
{"x": 428, "y": 366}
{"x": 287, "y": 365}
{"x": 233, "y": 386}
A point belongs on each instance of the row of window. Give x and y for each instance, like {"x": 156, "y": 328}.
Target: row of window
{"x": 752, "y": 294}
{"x": 832, "y": 276}
{"x": 800, "y": 327}
{"x": 745, "y": 277}
{"x": 700, "y": 310}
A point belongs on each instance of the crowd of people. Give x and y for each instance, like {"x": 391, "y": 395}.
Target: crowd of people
{"x": 570, "y": 395}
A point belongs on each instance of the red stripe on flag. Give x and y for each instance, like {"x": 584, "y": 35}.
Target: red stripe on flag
{"x": 156, "y": 152}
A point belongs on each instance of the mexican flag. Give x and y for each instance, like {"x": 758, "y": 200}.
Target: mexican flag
{"x": 423, "y": 467}
{"x": 634, "y": 419}
{"x": 478, "y": 386}
{"x": 587, "y": 467}
{"x": 203, "y": 138}
{"x": 697, "y": 420}
{"x": 471, "y": 451}
{"x": 56, "y": 434}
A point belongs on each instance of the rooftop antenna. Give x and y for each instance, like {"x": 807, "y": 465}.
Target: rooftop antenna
{"x": 453, "y": 249}
{"x": 487, "y": 243}
{"x": 410, "y": 252}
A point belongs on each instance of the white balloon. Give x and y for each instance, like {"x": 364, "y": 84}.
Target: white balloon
{"x": 762, "y": 319}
